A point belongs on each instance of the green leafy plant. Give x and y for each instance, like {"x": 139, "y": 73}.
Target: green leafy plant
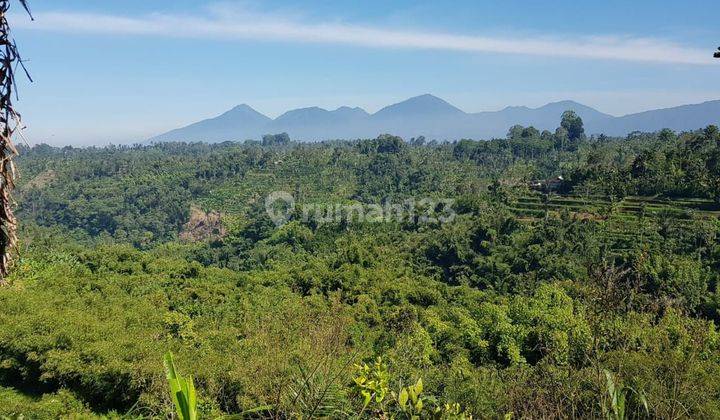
{"x": 182, "y": 391}
{"x": 410, "y": 400}
{"x": 618, "y": 396}
{"x": 372, "y": 383}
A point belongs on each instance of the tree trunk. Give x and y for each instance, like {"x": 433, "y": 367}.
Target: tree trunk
{"x": 10, "y": 123}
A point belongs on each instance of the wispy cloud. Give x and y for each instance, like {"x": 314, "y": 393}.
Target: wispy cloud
{"x": 267, "y": 27}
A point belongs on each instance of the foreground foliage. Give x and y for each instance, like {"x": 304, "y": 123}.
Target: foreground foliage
{"x": 530, "y": 303}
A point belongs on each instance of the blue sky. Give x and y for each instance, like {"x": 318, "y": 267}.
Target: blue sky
{"x": 121, "y": 71}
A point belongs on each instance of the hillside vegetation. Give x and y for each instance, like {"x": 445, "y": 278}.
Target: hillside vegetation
{"x": 526, "y": 304}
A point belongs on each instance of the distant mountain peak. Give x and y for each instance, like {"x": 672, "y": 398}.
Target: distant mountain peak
{"x": 426, "y": 104}
{"x": 347, "y": 108}
{"x": 244, "y": 110}
{"x": 425, "y": 97}
{"x": 306, "y": 110}
{"x": 516, "y": 108}
{"x": 347, "y": 111}
{"x": 589, "y": 114}
{"x": 308, "y": 115}
{"x": 431, "y": 100}
{"x": 565, "y": 102}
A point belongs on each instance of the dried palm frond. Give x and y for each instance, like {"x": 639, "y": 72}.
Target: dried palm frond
{"x": 27, "y": 9}
{"x": 10, "y": 124}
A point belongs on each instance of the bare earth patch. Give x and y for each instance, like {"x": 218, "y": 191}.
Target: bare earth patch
{"x": 203, "y": 226}
{"x": 41, "y": 180}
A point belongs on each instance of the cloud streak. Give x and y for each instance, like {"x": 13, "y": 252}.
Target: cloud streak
{"x": 233, "y": 26}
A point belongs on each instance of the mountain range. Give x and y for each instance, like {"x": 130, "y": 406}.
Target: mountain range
{"x": 434, "y": 118}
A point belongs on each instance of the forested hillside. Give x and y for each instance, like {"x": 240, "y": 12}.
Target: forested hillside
{"x": 571, "y": 262}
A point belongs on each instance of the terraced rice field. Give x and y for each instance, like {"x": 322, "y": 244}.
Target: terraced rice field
{"x": 686, "y": 208}
{"x": 622, "y": 220}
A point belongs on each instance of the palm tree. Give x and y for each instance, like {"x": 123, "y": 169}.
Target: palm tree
{"x": 10, "y": 123}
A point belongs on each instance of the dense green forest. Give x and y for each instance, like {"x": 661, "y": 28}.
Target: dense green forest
{"x": 579, "y": 273}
